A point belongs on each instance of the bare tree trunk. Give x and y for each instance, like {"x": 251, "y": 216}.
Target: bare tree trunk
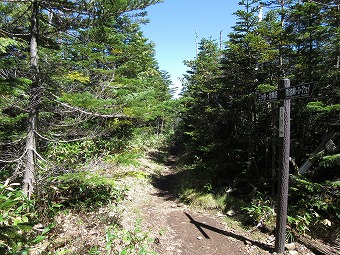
{"x": 29, "y": 175}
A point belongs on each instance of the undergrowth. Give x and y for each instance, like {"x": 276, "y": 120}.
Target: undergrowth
{"x": 81, "y": 190}
{"x": 124, "y": 242}
{"x": 315, "y": 208}
{"x": 88, "y": 191}
{"x": 18, "y": 230}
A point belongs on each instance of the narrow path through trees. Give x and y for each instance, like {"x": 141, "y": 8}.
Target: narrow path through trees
{"x": 178, "y": 229}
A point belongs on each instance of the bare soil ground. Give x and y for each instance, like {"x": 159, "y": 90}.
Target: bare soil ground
{"x": 175, "y": 228}
{"x": 179, "y": 229}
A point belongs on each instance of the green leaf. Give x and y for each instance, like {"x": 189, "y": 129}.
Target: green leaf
{"x": 8, "y": 204}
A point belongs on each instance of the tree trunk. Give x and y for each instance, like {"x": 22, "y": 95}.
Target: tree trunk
{"x": 34, "y": 93}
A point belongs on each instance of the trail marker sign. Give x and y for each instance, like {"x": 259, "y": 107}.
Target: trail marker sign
{"x": 298, "y": 91}
{"x": 267, "y": 96}
{"x": 283, "y": 95}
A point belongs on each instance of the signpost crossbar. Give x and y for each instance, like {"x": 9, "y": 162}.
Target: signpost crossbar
{"x": 292, "y": 92}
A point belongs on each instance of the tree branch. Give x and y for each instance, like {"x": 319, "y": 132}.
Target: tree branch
{"x": 328, "y": 5}
{"x": 94, "y": 114}
{"x": 14, "y": 142}
{"x": 14, "y": 160}
{"x": 63, "y": 141}
{"x": 68, "y": 125}
{"x": 39, "y": 156}
{"x": 16, "y": 1}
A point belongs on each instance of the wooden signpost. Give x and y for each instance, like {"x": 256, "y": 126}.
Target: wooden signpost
{"x": 284, "y": 94}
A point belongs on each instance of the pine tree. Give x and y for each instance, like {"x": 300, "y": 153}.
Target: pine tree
{"x": 60, "y": 67}
{"x": 244, "y": 56}
{"x": 202, "y": 116}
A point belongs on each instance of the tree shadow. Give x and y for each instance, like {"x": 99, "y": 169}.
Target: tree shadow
{"x": 159, "y": 156}
{"x": 201, "y": 226}
{"x": 167, "y": 181}
{"x": 167, "y": 185}
{"x": 164, "y": 156}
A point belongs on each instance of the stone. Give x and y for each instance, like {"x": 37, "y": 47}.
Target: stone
{"x": 293, "y": 253}
{"x": 290, "y": 246}
{"x": 38, "y": 226}
{"x": 220, "y": 215}
{"x": 230, "y": 213}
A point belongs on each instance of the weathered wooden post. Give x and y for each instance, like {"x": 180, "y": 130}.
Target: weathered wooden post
{"x": 284, "y": 149}
{"x": 284, "y": 94}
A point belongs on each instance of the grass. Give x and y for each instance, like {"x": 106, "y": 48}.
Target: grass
{"x": 201, "y": 199}
{"x": 220, "y": 201}
{"x": 122, "y": 241}
{"x": 133, "y": 173}
{"x": 195, "y": 188}
{"x": 126, "y": 158}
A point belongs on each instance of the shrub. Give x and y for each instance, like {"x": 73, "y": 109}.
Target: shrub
{"x": 123, "y": 242}
{"x": 260, "y": 210}
{"x": 314, "y": 207}
{"x": 17, "y": 218}
{"x": 81, "y": 190}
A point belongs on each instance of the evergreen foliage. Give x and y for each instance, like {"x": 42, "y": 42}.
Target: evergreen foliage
{"x": 229, "y": 138}
{"x": 257, "y": 55}
{"x": 98, "y": 78}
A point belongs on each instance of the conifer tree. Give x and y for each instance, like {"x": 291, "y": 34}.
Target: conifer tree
{"x": 201, "y": 100}
{"x": 50, "y": 35}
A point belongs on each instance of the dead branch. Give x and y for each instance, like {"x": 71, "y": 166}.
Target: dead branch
{"x": 14, "y": 160}
{"x": 13, "y": 142}
{"x": 94, "y": 114}
{"x": 14, "y": 104}
{"x": 15, "y": 1}
{"x": 317, "y": 246}
{"x": 68, "y": 125}
{"x": 63, "y": 141}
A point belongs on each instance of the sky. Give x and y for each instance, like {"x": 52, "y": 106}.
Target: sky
{"x": 174, "y": 25}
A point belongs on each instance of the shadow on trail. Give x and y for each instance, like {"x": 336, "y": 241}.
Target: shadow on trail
{"x": 166, "y": 181}
{"x": 201, "y": 226}
{"x": 166, "y": 186}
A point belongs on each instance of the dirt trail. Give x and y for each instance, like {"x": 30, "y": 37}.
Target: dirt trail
{"x": 175, "y": 228}
{"x": 178, "y": 229}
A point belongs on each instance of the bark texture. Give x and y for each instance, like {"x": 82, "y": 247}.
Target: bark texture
{"x": 31, "y": 145}
{"x": 283, "y": 178}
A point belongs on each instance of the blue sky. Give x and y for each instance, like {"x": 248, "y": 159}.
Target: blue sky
{"x": 173, "y": 24}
